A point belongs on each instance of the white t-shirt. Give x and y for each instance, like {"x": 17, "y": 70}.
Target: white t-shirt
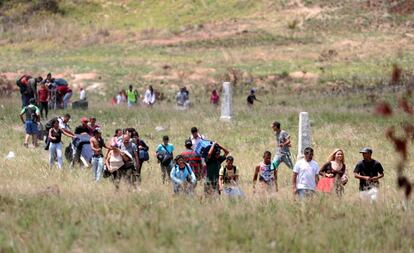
{"x": 149, "y": 98}
{"x": 82, "y": 94}
{"x": 195, "y": 141}
{"x": 63, "y": 125}
{"x": 307, "y": 171}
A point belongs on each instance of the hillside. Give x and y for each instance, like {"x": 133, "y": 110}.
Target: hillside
{"x": 335, "y": 59}
{"x": 269, "y": 44}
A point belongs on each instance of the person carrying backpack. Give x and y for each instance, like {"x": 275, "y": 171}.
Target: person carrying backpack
{"x": 32, "y": 113}
{"x": 182, "y": 176}
{"x": 165, "y": 156}
{"x": 213, "y": 162}
{"x": 228, "y": 179}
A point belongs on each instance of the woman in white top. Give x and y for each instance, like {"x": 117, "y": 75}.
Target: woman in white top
{"x": 117, "y": 163}
{"x": 149, "y": 96}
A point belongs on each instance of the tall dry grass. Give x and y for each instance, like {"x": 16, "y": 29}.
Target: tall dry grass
{"x": 44, "y": 210}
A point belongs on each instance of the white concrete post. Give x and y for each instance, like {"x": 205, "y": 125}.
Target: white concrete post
{"x": 226, "y": 102}
{"x": 304, "y": 135}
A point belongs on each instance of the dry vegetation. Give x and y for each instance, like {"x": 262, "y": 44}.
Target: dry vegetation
{"x": 334, "y": 59}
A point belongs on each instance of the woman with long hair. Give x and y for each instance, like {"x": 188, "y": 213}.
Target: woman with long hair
{"x": 335, "y": 168}
{"x": 149, "y": 96}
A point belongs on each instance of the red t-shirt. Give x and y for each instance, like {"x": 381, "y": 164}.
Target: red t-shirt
{"x": 42, "y": 95}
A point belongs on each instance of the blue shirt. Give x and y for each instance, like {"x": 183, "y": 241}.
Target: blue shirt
{"x": 178, "y": 176}
{"x": 169, "y": 147}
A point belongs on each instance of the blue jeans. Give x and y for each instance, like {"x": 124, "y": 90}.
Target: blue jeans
{"x": 66, "y": 99}
{"x": 55, "y": 150}
{"x": 97, "y": 167}
{"x": 304, "y": 193}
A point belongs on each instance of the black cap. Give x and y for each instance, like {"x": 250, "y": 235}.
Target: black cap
{"x": 188, "y": 142}
{"x": 366, "y": 150}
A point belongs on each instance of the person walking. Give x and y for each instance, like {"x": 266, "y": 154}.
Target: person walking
{"x": 251, "y": 98}
{"x": 149, "y": 96}
{"x": 97, "y": 143}
{"x": 228, "y": 179}
{"x": 282, "y": 147}
{"x": 43, "y": 98}
{"x": 120, "y": 166}
{"x": 129, "y": 146}
{"x": 214, "y": 98}
{"x": 164, "y": 152}
{"x": 55, "y": 148}
{"x": 32, "y": 114}
{"x": 266, "y": 174}
{"x": 193, "y": 159}
{"x": 131, "y": 96}
{"x": 305, "y": 175}
{"x": 195, "y": 137}
{"x": 368, "y": 171}
{"x": 333, "y": 172}
{"x": 213, "y": 163}
{"x": 182, "y": 176}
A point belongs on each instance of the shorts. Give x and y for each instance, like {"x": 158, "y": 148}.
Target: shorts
{"x": 31, "y": 127}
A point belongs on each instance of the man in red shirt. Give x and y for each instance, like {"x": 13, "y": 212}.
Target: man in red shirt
{"x": 65, "y": 93}
{"x": 193, "y": 159}
{"x": 43, "y": 98}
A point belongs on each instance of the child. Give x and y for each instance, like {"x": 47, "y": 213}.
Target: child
{"x": 165, "y": 156}
{"x": 266, "y": 172}
{"x": 228, "y": 179}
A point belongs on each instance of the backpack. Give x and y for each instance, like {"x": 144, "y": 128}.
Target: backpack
{"x": 225, "y": 169}
{"x": 31, "y": 113}
{"x": 143, "y": 155}
{"x": 167, "y": 157}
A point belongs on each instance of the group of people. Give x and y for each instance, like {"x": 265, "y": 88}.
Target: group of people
{"x": 47, "y": 93}
{"x": 126, "y": 151}
{"x": 194, "y": 165}
{"x": 131, "y": 97}
{"x": 201, "y": 159}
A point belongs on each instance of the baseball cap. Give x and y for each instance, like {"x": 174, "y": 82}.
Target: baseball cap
{"x": 366, "y": 150}
{"x": 84, "y": 119}
{"x": 188, "y": 142}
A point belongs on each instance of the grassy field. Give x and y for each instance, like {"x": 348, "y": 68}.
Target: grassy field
{"x": 78, "y": 215}
{"x": 330, "y": 58}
